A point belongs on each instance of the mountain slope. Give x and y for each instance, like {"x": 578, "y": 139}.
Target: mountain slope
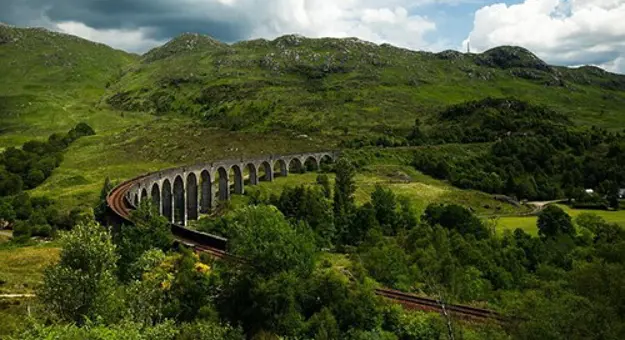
{"x": 49, "y": 81}
{"x": 348, "y": 86}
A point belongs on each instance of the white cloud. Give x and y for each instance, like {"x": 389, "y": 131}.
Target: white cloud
{"x": 379, "y": 21}
{"x": 376, "y": 21}
{"x": 128, "y": 40}
{"x": 559, "y": 31}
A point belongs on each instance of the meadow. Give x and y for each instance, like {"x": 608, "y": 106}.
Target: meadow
{"x": 528, "y": 223}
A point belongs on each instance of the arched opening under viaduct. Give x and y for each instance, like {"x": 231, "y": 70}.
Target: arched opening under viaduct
{"x": 206, "y": 197}
{"x": 192, "y": 197}
{"x": 179, "y": 201}
{"x": 224, "y": 185}
{"x": 280, "y": 168}
{"x": 252, "y": 174}
{"x": 310, "y": 164}
{"x": 265, "y": 172}
{"x": 325, "y": 163}
{"x": 167, "y": 200}
{"x": 144, "y": 195}
{"x": 295, "y": 166}
{"x": 236, "y": 174}
{"x": 156, "y": 197}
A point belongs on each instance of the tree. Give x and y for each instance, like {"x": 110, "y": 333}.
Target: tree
{"x": 263, "y": 285}
{"x": 364, "y": 220}
{"x": 81, "y": 286}
{"x": 344, "y": 188}
{"x": 7, "y": 214}
{"x": 385, "y": 206}
{"x": 453, "y": 216}
{"x": 324, "y": 182}
{"x": 100, "y": 209}
{"x": 10, "y": 184}
{"x": 553, "y": 221}
{"x": 265, "y": 239}
{"x": 150, "y": 230}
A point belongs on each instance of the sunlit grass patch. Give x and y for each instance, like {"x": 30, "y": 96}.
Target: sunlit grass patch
{"x": 21, "y": 268}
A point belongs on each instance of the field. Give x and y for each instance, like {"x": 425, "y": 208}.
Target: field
{"x": 420, "y": 189}
{"x": 21, "y": 268}
{"x": 528, "y": 223}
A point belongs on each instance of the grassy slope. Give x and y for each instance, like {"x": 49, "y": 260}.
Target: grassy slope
{"x": 329, "y": 85}
{"x": 405, "y": 181}
{"x": 51, "y": 81}
{"x": 21, "y": 268}
{"x": 366, "y": 86}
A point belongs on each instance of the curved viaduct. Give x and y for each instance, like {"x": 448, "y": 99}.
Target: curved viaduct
{"x": 182, "y": 194}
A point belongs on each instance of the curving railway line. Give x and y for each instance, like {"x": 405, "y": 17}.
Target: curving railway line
{"x": 119, "y": 213}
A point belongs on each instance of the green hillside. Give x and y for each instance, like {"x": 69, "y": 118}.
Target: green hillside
{"x": 51, "y": 81}
{"x": 349, "y": 87}
{"x": 261, "y": 96}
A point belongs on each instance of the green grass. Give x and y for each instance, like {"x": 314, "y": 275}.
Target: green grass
{"x": 528, "y": 223}
{"x": 420, "y": 189}
{"x": 50, "y": 81}
{"x": 315, "y": 86}
{"x": 129, "y": 150}
{"x": 21, "y": 268}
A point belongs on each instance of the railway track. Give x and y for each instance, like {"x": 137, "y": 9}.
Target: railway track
{"x": 202, "y": 242}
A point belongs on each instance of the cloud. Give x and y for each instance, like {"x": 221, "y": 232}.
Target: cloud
{"x": 568, "y": 32}
{"x": 139, "y": 24}
{"x": 128, "y": 40}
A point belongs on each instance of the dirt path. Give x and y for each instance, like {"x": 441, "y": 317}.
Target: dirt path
{"x": 15, "y": 296}
{"x": 6, "y": 233}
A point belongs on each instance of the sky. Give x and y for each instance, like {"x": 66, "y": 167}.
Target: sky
{"x": 561, "y": 32}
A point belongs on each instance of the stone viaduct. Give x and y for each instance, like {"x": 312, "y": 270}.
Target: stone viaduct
{"x": 183, "y": 193}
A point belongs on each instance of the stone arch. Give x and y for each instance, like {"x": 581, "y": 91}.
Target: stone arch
{"x": 253, "y": 173}
{"x": 179, "y": 201}
{"x": 166, "y": 196}
{"x": 135, "y": 200}
{"x": 311, "y": 164}
{"x": 295, "y": 166}
{"x": 206, "y": 197}
{"x": 238, "y": 179}
{"x": 268, "y": 170}
{"x": 224, "y": 184}
{"x": 325, "y": 161}
{"x": 282, "y": 167}
{"x": 156, "y": 197}
{"x": 144, "y": 194}
{"x": 192, "y": 194}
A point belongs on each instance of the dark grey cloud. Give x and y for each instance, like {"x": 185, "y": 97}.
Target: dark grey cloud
{"x": 162, "y": 19}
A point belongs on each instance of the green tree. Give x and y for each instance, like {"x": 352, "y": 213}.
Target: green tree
{"x": 324, "y": 182}
{"x": 344, "y": 188}
{"x": 385, "y": 206}
{"x": 82, "y": 285}
{"x": 262, "y": 292}
{"x": 100, "y": 209}
{"x": 7, "y": 214}
{"x": 150, "y": 230}
{"x": 553, "y": 221}
{"x": 209, "y": 330}
{"x": 453, "y": 216}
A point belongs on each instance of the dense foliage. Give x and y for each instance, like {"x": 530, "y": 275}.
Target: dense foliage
{"x": 533, "y": 153}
